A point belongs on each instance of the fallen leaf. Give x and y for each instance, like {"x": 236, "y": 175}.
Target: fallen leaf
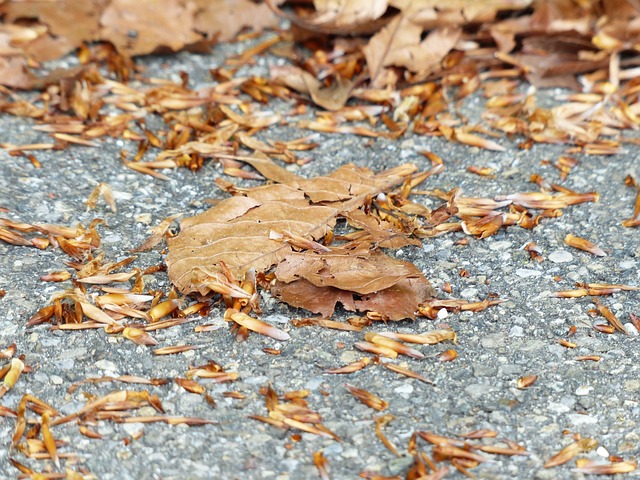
{"x": 317, "y": 282}
{"x": 300, "y": 208}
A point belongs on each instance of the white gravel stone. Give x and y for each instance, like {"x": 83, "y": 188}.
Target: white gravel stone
{"x": 404, "y": 390}
{"x": 627, "y": 264}
{"x": 584, "y": 390}
{"x": 276, "y": 319}
{"x": 578, "y": 419}
{"x": 560, "y": 256}
{"x": 501, "y": 245}
{"x": 106, "y": 365}
{"x": 189, "y": 354}
{"x": 558, "y": 407}
{"x": 527, "y": 273}
{"x": 516, "y": 331}
{"x": 133, "y": 429}
{"x": 469, "y": 293}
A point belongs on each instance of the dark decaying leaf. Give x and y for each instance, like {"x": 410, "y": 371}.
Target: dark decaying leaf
{"x": 380, "y": 283}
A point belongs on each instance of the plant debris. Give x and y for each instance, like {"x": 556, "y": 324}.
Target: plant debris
{"x": 329, "y": 243}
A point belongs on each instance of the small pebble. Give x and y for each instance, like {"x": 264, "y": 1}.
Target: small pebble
{"x": 527, "y": 272}
{"x": 584, "y": 390}
{"x": 560, "y": 256}
{"x": 516, "y": 331}
{"x": 468, "y": 293}
{"x": 404, "y": 390}
{"x": 106, "y": 365}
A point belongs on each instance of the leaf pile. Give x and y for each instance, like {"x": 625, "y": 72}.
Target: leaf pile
{"x": 48, "y": 30}
{"x": 280, "y": 225}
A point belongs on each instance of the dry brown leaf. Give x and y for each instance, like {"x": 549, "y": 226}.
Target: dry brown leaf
{"x": 222, "y": 19}
{"x": 146, "y": 26}
{"x": 157, "y": 233}
{"x": 394, "y": 303}
{"x": 340, "y": 16}
{"x": 317, "y": 282}
{"x": 400, "y": 44}
{"x": 238, "y": 231}
{"x": 332, "y": 98}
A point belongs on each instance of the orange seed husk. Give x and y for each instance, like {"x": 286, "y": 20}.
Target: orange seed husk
{"x": 139, "y": 337}
{"x": 567, "y": 343}
{"x": 381, "y": 421}
{"x": 259, "y": 326}
{"x": 376, "y": 349}
{"x": 608, "y": 468}
{"x": 175, "y": 349}
{"x": 8, "y": 352}
{"x": 320, "y": 461}
{"x": 10, "y": 379}
{"x": 49, "y": 441}
{"x": 387, "y": 342}
{"x": 583, "y": 244}
{"x": 352, "y": 367}
{"x": 526, "y": 381}
{"x": 163, "y": 309}
{"x": 570, "y": 451}
{"x": 427, "y": 338}
{"x": 611, "y": 318}
{"x": 448, "y": 355}
{"x": 368, "y": 398}
{"x": 407, "y": 372}
{"x": 56, "y": 276}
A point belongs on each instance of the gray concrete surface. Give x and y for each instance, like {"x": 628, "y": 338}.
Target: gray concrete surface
{"x": 477, "y": 390}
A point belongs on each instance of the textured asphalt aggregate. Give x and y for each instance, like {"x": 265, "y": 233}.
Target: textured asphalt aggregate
{"x": 477, "y": 390}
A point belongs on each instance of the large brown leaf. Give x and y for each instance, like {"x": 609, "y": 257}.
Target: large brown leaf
{"x": 142, "y": 27}
{"x": 342, "y": 17}
{"x": 317, "y": 282}
{"x": 135, "y": 28}
{"x": 246, "y": 232}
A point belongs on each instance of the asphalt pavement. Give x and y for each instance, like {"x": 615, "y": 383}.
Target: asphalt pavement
{"x": 477, "y": 390}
